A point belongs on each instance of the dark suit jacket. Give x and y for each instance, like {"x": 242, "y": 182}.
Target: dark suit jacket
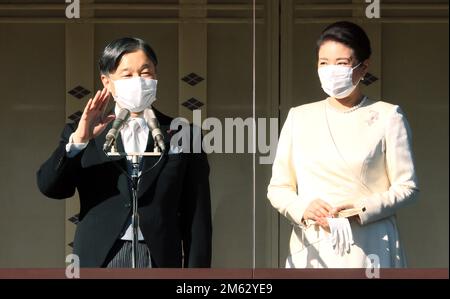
{"x": 174, "y": 200}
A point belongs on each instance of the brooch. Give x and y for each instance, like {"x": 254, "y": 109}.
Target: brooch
{"x": 372, "y": 118}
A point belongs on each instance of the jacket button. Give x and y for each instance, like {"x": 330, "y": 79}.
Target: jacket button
{"x": 127, "y": 205}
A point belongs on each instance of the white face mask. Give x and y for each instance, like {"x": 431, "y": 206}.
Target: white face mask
{"x": 135, "y": 94}
{"x": 337, "y": 80}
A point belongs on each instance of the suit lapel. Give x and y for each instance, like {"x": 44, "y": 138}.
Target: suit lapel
{"x": 94, "y": 155}
{"x": 149, "y": 174}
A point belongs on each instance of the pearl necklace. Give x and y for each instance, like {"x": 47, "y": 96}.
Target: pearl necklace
{"x": 353, "y": 108}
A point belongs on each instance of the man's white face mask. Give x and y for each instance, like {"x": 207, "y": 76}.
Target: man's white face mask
{"x": 337, "y": 80}
{"x": 135, "y": 94}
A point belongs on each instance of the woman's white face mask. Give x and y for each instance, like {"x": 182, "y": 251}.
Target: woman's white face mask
{"x": 135, "y": 94}
{"x": 337, "y": 80}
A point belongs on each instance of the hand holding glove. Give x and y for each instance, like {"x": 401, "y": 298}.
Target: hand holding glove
{"x": 341, "y": 236}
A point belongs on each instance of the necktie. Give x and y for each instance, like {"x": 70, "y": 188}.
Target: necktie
{"x": 134, "y": 144}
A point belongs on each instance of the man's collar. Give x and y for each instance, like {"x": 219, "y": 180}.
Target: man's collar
{"x": 142, "y": 115}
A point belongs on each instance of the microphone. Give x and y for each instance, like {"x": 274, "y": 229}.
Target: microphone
{"x": 111, "y": 137}
{"x": 156, "y": 131}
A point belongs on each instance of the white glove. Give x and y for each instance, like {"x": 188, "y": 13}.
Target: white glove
{"x": 341, "y": 236}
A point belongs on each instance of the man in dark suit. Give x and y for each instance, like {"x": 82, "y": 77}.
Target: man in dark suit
{"x": 173, "y": 194}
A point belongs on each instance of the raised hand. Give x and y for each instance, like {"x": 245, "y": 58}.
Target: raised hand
{"x": 92, "y": 122}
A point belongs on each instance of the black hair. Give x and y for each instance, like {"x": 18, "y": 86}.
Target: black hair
{"x": 113, "y": 52}
{"x": 349, "y": 34}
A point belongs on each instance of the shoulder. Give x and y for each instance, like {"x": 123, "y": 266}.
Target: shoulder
{"x": 381, "y": 106}
{"x": 167, "y": 122}
{"x": 163, "y": 119}
{"x": 393, "y": 118}
{"x": 309, "y": 109}
{"x": 387, "y": 110}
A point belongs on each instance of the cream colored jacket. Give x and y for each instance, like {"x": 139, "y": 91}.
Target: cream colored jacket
{"x": 363, "y": 156}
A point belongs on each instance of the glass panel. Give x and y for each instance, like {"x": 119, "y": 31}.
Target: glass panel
{"x": 32, "y": 115}
{"x": 230, "y": 100}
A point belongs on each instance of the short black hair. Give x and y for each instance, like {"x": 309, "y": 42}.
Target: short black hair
{"x": 113, "y": 52}
{"x": 349, "y": 34}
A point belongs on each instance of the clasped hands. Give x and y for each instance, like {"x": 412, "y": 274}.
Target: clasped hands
{"x": 324, "y": 215}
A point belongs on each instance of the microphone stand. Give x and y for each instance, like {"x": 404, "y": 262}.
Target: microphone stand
{"x": 135, "y": 216}
{"x": 135, "y": 169}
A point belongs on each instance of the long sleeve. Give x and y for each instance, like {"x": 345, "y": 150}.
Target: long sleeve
{"x": 74, "y": 149}
{"x": 56, "y": 176}
{"x": 282, "y": 190}
{"x": 400, "y": 170}
{"x": 196, "y": 223}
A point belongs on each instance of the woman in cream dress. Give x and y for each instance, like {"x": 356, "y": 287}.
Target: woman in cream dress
{"x": 344, "y": 153}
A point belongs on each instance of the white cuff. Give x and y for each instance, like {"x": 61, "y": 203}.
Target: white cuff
{"x": 72, "y": 148}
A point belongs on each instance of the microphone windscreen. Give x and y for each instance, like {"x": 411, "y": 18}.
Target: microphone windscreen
{"x": 123, "y": 115}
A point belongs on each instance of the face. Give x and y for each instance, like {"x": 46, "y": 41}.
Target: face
{"x": 134, "y": 64}
{"x": 331, "y": 52}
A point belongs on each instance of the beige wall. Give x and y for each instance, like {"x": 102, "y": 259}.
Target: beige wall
{"x": 415, "y": 76}
{"x": 229, "y": 95}
{"x": 31, "y": 118}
